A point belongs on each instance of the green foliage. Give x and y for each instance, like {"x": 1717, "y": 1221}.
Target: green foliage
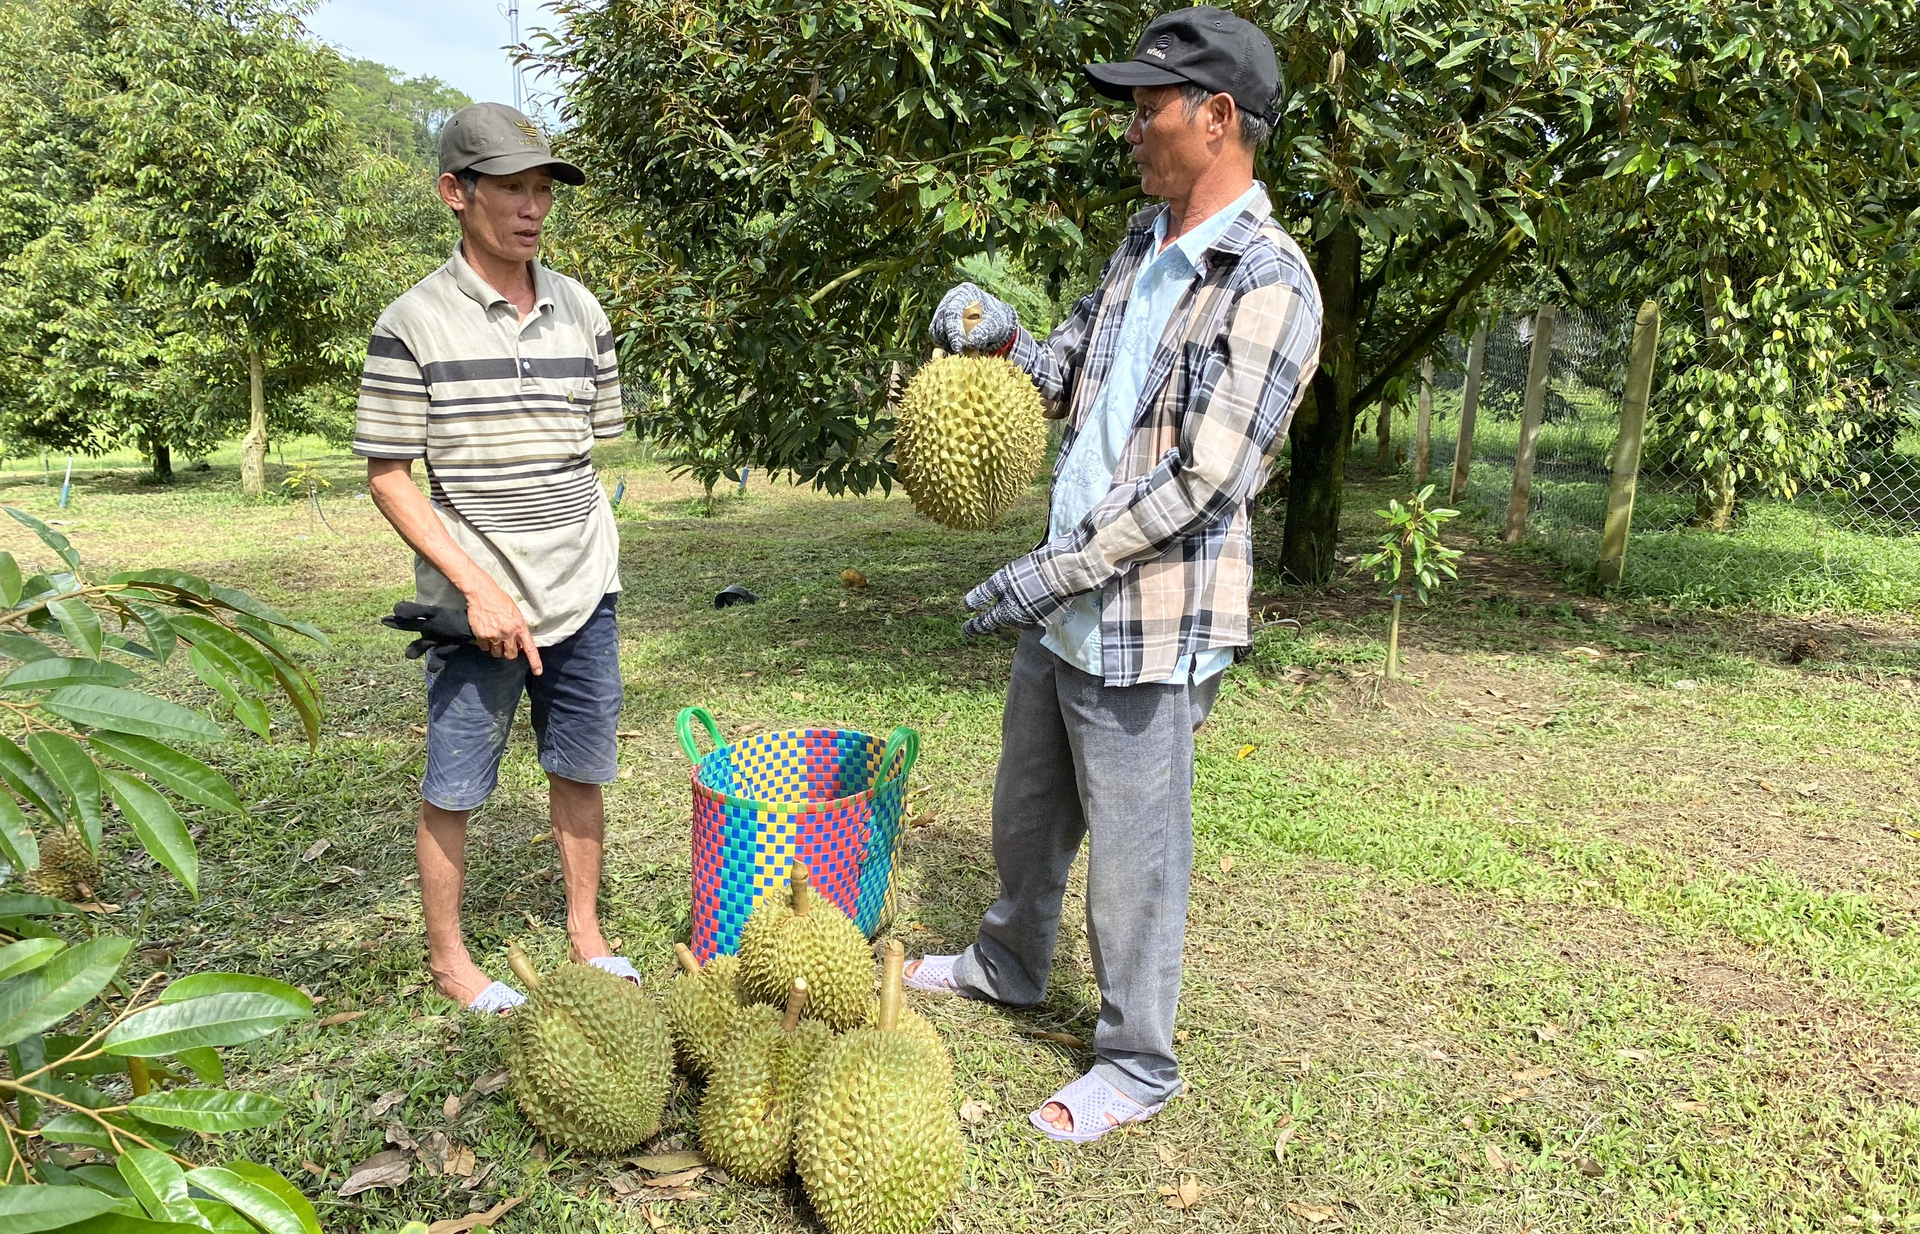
{"x": 1410, "y": 550}
{"x": 82, "y": 728}
{"x": 399, "y": 116}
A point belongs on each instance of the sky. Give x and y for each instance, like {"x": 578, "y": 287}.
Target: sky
{"x": 458, "y": 41}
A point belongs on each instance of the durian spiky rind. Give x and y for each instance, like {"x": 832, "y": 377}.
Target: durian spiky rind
{"x": 823, "y": 946}
{"x": 878, "y": 1147}
{"x": 920, "y": 1029}
{"x": 748, "y": 1112}
{"x": 699, "y": 1007}
{"x": 68, "y": 869}
{"x": 969, "y": 434}
{"x": 590, "y": 1058}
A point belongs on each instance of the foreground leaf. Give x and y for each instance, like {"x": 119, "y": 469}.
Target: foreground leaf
{"x": 24, "y": 1210}
{"x": 158, "y": 626}
{"x": 159, "y": 827}
{"x": 54, "y": 671}
{"x": 212, "y": 1110}
{"x": 217, "y": 1020}
{"x": 204, "y": 985}
{"x": 159, "y": 1184}
{"x": 125, "y": 711}
{"x": 23, "y": 904}
{"x": 49, "y": 537}
{"x": 36, "y": 1001}
{"x": 76, "y": 1128}
{"x": 74, "y": 772}
{"x": 261, "y": 1176}
{"x": 209, "y": 667}
{"x": 27, "y": 955}
{"x": 24, "y": 777}
{"x": 17, "y": 844}
{"x": 9, "y": 580}
{"x": 185, "y": 775}
{"x": 260, "y": 1205}
{"x": 205, "y": 1064}
{"x": 79, "y": 623}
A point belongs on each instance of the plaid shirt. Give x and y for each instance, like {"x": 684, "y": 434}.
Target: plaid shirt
{"x": 1170, "y": 548}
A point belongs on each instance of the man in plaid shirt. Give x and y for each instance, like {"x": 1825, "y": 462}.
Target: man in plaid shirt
{"x": 1178, "y": 378}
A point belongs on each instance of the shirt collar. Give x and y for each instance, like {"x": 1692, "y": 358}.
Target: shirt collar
{"x": 483, "y": 293}
{"x": 1227, "y": 230}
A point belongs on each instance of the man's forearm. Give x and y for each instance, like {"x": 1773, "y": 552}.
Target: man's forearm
{"x": 412, "y": 516}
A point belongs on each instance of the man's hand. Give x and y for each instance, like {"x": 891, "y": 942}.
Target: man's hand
{"x": 991, "y": 334}
{"x": 499, "y": 628}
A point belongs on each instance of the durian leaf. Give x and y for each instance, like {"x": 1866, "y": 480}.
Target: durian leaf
{"x": 73, "y": 770}
{"x": 159, "y": 629}
{"x": 233, "y": 654}
{"x": 26, "y": 1210}
{"x": 241, "y": 602}
{"x": 166, "y": 580}
{"x": 27, "y": 1054}
{"x": 159, "y": 827}
{"x": 26, "y": 779}
{"x": 18, "y": 904}
{"x": 205, "y": 985}
{"x": 213, "y": 667}
{"x": 27, "y": 955}
{"x": 79, "y": 623}
{"x": 122, "y": 1223}
{"x": 17, "y": 844}
{"x": 53, "y": 672}
{"x": 159, "y": 1184}
{"x": 36, "y": 1001}
{"x": 125, "y": 711}
{"x": 49, "y": 537}
{"x": 263, "y": 1206}
{"x": 209, "y": 1109}
{"x": 221, "y": 1218}
{"x": 288, "y": 1193}
{"x": 218, "y": 1020}
{"x": 76, "y": 1128}
{"x": 24, "y": 648}
{"x": 102, "y": 1178}
{"x": 185, "y": 775}
{"x": 9, "y": 580}
{"x": 204, "y": 1062}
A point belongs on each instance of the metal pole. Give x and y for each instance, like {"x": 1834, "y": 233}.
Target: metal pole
{"x": 1626, "y": 447}
{"x": 1469, "y": 405}
{"x": 1536, "y": 403}
{"x": 513, "y": 40}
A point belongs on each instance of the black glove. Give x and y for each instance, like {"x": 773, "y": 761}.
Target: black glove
{"x": 436, "y": 626}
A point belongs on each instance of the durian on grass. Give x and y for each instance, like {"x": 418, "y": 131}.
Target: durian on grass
{"x": 803, "y": 934}
{"x": 969, "y": 433}
{"x": 879, "y": 1144}
{"x": 589, "y": 1056}
{"x": 748, "y": 1112}
{"x": 700, "y": 1004}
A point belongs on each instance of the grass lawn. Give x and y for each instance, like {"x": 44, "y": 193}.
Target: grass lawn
{"x": 1604, "y": 920}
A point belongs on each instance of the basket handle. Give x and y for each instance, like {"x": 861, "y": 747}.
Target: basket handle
{"x": 683, "y": 725}
{"x": 906, "y": 743}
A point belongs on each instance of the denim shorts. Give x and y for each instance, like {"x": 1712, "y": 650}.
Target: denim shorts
{"x": 472, "y": 698}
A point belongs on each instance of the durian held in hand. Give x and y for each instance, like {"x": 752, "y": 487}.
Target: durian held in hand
{"x": 804, "y": 934}
{"x": 700, "y": 1003}
{"x": 969, "y": 433}
{"x": 879, "y": 1144}
{"x": 589, "y": 1056}
{"x": 752, "y": 1100}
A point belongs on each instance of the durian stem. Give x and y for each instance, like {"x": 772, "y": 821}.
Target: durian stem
{"x": 798, "y": 875}
{"x": 522, "y": 967}
{"x": 688, "y": 960}
{"x": 796, "y": 1001}
{"x": 893, "y": 963}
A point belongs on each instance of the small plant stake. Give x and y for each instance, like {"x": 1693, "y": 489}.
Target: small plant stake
{"x": 1410, "y": 552}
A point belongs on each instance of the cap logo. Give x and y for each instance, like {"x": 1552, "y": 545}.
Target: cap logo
{"x": 1159, "y": 50}
{"x": 529, "y": 136}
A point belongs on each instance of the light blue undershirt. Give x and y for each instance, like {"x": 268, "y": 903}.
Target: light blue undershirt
{"x": 1087, "y": 477}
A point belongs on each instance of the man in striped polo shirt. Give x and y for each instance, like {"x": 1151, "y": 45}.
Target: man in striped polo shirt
{"x": 500, "y": 375}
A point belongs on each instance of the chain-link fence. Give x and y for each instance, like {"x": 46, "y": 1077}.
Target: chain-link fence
{"x": 1852, "y": 539}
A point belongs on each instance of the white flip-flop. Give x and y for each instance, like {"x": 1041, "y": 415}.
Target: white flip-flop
{"x": 934, "y": 974}
{"x": 618, "y": 965}
{"x": 1089, "y": 1100}
{"x": 497, "y": 999}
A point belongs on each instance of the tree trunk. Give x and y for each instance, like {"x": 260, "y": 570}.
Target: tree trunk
{"x": 162, "y": 455}
{"x": 253, "y": 447}
{"x": 1324, "y": 424}
{"x": 1383, "y": 439}
{"x": 1713, "y": 507}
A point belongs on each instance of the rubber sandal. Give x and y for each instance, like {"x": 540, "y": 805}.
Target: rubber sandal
{"x": 934, "y": 974}
{"x": 497, "y": 999}
{"x": 1089, "y": 1100}
{"x": 618, "y": 965}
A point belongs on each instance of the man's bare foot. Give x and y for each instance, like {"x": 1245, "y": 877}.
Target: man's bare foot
{"x": 1062, "y": 1118}
{"x": 460, "y": 979}
{"x": 588, "y": 946}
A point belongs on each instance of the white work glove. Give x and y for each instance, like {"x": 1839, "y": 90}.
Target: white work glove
{"x": 990, "y": 336}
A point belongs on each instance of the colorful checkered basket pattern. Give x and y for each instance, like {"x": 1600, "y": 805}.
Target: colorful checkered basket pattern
{"x": 832, "y": 798}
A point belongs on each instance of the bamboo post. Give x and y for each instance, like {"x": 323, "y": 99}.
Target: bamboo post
{"x": 1536, "y": 402}
{"x": 1469, "y": 404}
{"x": 1626, "y": 447}
{"x": 1423, "y": 426}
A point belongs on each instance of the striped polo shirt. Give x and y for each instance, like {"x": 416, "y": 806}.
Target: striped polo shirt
{"x": 505, "y": 413}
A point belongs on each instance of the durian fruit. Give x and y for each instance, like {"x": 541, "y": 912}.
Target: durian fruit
{"x": 753, "y": 1094}
{"x": 699, "y": 1004}
{"x": 804, "y": 934}
{"x": 68, "y": 869}
{"x": 589, "y": 1056}
{"x": 879, "y": 1145}
{"x": 921, "y": 1029}
{"x": 968, "y": 434}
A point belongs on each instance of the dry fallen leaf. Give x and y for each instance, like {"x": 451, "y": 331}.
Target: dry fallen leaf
{"x": 1245, "y": 751}
{"x": 1688, "y": 1107}
{"x": 542, "y": 838}
{"x": 487, "y": 1085}
{"x": 623, "y": 1184}
{"x": 1497, "y": 1160}
{"x": 1635, "y": 1054}
{"x": 320, "y": 846}
{"x": 1066, "y": 1039}
{"x": 1314, "y": 1213}
{"x": 1547, "y": 1032}
{"x": 340, "y": 1017}
{"x": 1227, "y": 864}
{"x": 385, "y": 1102}
{"x": 451, "y": 1106}
{"x": 972, "y": 1111}
{"x": 667, "y": 1163}
{"x": 680, "y": 1179}
{"x": 1181, "y": 1037}
{"x": 1533, "y": 1075}
{"x": 1589, "y": 1167}
{"x": 387, "y": 1168}
{"x": 475, "y": 1221}
{"x": 314, "y": 1168}
{"x": 1166, "y": 1152}
{"x": 922, "y": 820}
{"x": 1282, "y": 1140}
{"x": 655, "y": 1221}
{"x": 1518, "y": 1094}
{"x": 1184, "y": 1196}
{"x": 852, "y": 578}
{"x": 460, "y": 1163}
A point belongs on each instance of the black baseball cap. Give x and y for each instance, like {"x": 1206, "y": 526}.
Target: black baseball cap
{"x": 495, "y": 140}
{"x": 1207, "y": 47}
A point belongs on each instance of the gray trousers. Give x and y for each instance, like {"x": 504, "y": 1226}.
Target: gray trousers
{"x": 1077, "y": 755}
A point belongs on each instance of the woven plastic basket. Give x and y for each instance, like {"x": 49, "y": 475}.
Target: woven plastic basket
{"x": 833, "y": 798}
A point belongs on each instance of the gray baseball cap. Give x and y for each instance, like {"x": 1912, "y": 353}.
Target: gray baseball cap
{"x": 495, "y": 140}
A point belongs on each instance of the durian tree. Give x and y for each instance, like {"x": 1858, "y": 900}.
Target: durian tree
{"x": 783, "y": 187}
{"x": 93, "y": 763}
